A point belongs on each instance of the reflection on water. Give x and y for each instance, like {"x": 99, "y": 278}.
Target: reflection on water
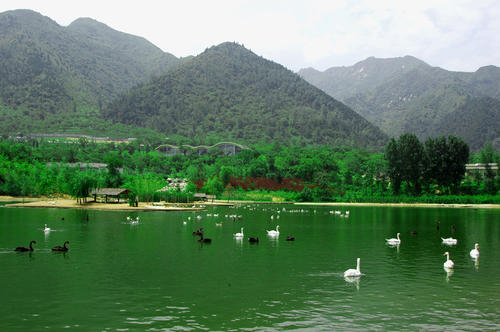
{"x": 155, "y": 275}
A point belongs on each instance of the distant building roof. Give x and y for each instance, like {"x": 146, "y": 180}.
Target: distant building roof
{"x": 110, "y": 191}
{"x": 83, "y": 166}
{"x": 481, "y": 167}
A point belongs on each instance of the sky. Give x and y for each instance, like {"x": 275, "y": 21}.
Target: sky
{"x": 459, "y": 35}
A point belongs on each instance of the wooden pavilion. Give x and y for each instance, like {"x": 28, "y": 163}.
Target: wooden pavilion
{"x": 110, "y": 192}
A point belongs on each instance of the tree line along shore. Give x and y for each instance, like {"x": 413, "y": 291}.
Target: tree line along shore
{"x": 407, "y": 171}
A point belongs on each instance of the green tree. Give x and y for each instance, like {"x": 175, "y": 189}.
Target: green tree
{"x": 225, "y": 175}
{"x": 213, "y": 186}
{"x": 405, "y": 159}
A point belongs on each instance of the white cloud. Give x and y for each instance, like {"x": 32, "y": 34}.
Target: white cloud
{"x": 454, "y": 34}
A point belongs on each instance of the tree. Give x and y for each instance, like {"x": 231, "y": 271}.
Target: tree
{"x": 405, "y": 159}
{"x": 113, "y": 178}
{"x": 225, "y": 175}
{"x": 213, "y": 186}
{"x": 488, "y": 155}
{"x": 82, "y": 184}
{"x": 393, "y": 157}
{"x": 445, "y": 161}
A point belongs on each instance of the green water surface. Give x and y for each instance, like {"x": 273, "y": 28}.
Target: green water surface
{"x": 156, "y": 276}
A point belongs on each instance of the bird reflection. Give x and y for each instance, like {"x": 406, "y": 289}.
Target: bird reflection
{"x": 476, "y": 263}
{"x": 353, "y": 280}
{"x": 449, "y": 273}
{"x": 394, "y": 246}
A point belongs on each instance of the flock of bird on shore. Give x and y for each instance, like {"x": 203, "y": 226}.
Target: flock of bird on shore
{"x": 448, "y": 265}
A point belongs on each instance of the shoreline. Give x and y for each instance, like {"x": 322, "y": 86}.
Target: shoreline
{"x": 65, "y": 203}
{"x": 72, "y": 204}
{"x": 426, "y": 205}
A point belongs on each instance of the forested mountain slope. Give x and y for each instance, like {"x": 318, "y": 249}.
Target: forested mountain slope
{"x": 48, "y": 69}
{"x": 406, "y": 95}
{"x": 230, "y": 93}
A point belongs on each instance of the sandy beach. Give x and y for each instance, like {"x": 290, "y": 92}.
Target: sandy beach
{"x": 73, "y": 204}
{"x": 66, "y": 203}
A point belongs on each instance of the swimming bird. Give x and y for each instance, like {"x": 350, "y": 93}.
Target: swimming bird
{"x": 290, "y": 238}
{"x": 449, "y": 263}
{"x": 253, "y": 239}
{"x": 46, "y": 229}
{"x": 474, "y": 253}
{"x": 394, "y": 241}
{"x": 239, "y": 234}
{"x": 437, "y": 225}
{"x": 198, "y": 232}
{"x": 204, "y": 239}
{"x": 354, "y": 272}
{"x": 26, "y": 249}
{"x": 63, "y": 248}
{"x": 274, "y": 232}
{"x": 449, "y": 241}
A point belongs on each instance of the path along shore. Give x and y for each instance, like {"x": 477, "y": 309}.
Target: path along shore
{"x": 196, "y": 206}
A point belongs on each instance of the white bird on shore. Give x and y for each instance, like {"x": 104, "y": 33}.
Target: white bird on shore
{"x": 474, "y": 253}
{"x": 274, "y": 232}
{"x": 394, "y": 241}
{"x": 354, "y": 272}
{"x": 449, "y": 263}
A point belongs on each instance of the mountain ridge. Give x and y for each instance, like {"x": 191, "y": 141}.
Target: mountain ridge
{"x": 415, "y": 98}
{"x": 231, "y": 92}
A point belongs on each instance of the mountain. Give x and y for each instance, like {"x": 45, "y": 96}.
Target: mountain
{"x": 406, "y": 95}
{"x": 229, "y": 92}
{"x": 344, "y": 82}
{"x": 49, "y": 69}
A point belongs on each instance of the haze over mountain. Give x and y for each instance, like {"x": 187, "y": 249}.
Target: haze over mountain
{"x": 407, "y": 95}
{"x": 231, "y": 93}
{"x": 46, "y": 66}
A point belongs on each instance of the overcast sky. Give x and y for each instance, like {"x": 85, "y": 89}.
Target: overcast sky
{"x": 453, "y": 34}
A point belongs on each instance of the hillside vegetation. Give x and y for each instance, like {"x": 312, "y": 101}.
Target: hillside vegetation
{"x": 406, "y": 95}
{"x": 231, "y": 93}
{"x": 49, "y": 72}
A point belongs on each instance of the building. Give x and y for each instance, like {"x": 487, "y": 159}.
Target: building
{"x": 225, "y": 148}
{"x": 110, "y": 194}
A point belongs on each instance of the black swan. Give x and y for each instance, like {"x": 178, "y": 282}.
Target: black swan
{"x": 253, "y": 239}
{"x": 26, "y": 249}
{"x": 198, "y": 232}
{"x": 203, "y": 239}
{"x": 290, "y": 238}
{"x": 63, "y": 248}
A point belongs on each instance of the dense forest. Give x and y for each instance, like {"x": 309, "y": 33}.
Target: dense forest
{"x": 233, "y": 94}
{"x": 408, "y": 170}
{"x": 49, "y": 72}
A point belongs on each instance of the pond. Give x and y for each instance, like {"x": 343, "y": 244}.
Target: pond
{"x": 154, "y": 275}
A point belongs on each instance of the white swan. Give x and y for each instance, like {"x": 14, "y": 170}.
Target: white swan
{"x": 46, "y": 229}
{"x": 394, "y": 241}
{"x": 474, "y": 253}
{"x": 274, "y": 233}
{"x": 449, "y": 263}
{"x": 239, "y": 234}
{"x": 354, "y": 272}
{"x": 449, "y": 241}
